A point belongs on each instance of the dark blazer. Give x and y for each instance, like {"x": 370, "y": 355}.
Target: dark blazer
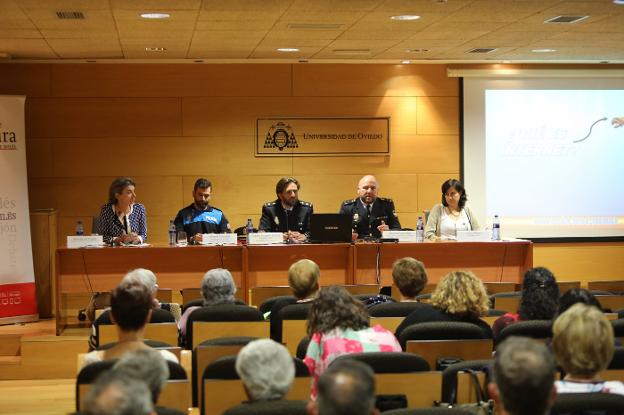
{"x": 363, "y": 225}
{"x": 275, "y": 219}
{"x": 110, "y": 226}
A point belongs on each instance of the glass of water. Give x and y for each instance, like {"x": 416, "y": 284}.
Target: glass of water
{"x": 182, "y": 241}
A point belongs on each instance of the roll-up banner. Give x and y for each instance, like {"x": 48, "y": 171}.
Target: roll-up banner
{"x": 17, "y": 278}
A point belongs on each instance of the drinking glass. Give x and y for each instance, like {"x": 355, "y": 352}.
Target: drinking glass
{"x": 182, "y": 241}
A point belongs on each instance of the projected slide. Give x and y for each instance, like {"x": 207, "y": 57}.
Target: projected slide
{"x": 553, "y": 162}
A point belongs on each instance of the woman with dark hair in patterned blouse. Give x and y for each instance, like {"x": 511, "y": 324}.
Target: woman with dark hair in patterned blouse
{"x": 122, "y": 221}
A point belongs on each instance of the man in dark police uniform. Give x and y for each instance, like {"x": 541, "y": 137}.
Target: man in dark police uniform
{"x": 371, "y": 214}
{"x": 199, "y": 217}
{"x": 287, "y": 214}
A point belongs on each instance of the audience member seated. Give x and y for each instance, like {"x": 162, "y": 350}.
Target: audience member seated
{"x": 583, "y": 346}
{"x": 539, "y": 300}
{"x": 410, "y": 277}
{"x": 459, "y": 296}
{"x": 162, "y": 312}
{"x": 577, "y": 295}
{"x": 217, "y": 288}
{"x": 339, "y": 324}
{"x": 267, "y": 371}
{"x": 131, "y": 309}
{"x": 524, "y": 372}
{"x": 303, "y": 279}
{"x": 346, "y": 388}
{"x": 114, "y": 394}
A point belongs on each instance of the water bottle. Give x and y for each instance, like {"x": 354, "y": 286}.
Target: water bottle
{"x": 249, "y": 228}
{"x": 420, "y": 230}
{"x": 172, "y": 233}
{"x": 79, "y": 228}
{"x": 496, "y": 229}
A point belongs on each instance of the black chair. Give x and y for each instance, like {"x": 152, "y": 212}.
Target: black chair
{"x": 449, "y": 377}
{"x": 302, "y": 347}
{"x": 429, "y": 411}
{"x": 585, "y": 403}
{"x": 158, "y": 316}
{"x": 617, "y": 362}
{"x": 618, "y": 327}
{"x": 298, "y": 311}
{"x": 421, "y": 297}
{"x": 391, "y": 309}
{"x": 441, "y": 330}
{"x": 389, "y": 362}
{"x": 536, "y": 329}
{"x": 223, "y": 312}
{"x": 155, "y": 344}
{"x": 281, "y": 407}
{"x": 267, "y": 305}
{"x": 199, "y": 302}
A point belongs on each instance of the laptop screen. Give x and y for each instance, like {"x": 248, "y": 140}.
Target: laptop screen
{"x": 330, "y": 227}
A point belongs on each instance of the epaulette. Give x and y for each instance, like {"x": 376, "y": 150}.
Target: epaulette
{"x": 304, "y": 203}
{"x": 216, "y": 208}
{"x": 269, "y": 204}
{"x": 349, "y": 202}
{"x": 386, "y": 199}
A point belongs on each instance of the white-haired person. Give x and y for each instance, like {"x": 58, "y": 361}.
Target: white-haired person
{"x": 162, "y": 312}
{"x": 217, "y": 288}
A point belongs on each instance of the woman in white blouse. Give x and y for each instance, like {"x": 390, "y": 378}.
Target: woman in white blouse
{"x": 451, "y": 215}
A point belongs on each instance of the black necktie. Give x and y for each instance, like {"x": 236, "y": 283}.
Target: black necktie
{"x": 368, "y": 210}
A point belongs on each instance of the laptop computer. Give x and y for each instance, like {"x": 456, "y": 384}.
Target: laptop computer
{"x": 330, "y": 227}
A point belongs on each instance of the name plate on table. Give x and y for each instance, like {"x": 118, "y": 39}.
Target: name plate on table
{"x": 83, "y": 241}
{"x": 219, "y": 239}
{"x": 474, "y": 236}
{"x": 402, "y": 236}
{"x": 265, "y": 238}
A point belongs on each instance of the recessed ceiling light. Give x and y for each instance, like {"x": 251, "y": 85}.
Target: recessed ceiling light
{"x": 406, "y": 62}
{"x": 405, "y": 17}
{"x": 417, "y": 50}
{"x": 618, "y": 2}
{"x": 545, "y": 50}
{"x": 155, "y": 49}
{"x": 155, "y": 15}
{"x": 287, "y": 49}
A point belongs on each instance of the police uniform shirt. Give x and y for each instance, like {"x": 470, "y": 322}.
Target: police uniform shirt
{"x": 194, "y": 221}
{"x": 364, "y": 225}
{"x": 277, "y": 219}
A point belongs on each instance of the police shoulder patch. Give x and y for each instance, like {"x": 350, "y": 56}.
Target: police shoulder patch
{"x": 304, "y": 203}
{"x": 349, "y": 201}
{"x": 386, "y": 199}
{"x": 269, "y": 204}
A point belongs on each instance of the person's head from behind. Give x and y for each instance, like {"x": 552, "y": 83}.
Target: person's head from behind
{"x": 410, "y": 277}
{"x": 540, "y": 295}
{"x": 202, "y": 191}
{"x": 218, "y": 287}
{"x": 142, "y": 276}
{"x": 577, "y": 295}
{"x": 114, "y": 394}
{"x": 347, "y": 387}
{"x": 453, "y": 194}
{"x": 303, "y": 278}
{"x": 524, "y": 376}
{"x": 266, "y": 369}
{"x": 335, "y": 308}
{"x": 461, "y": 293}
{"x": 146, "y": 365}
{"x": 583, "y": 341}
{"x": 131, "y": 306}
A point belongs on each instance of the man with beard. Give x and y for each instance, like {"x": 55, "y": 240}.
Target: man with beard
{"x": 199, "y": 217}
{"x": 371, "y": 214}
{"x": 287, "y": 214}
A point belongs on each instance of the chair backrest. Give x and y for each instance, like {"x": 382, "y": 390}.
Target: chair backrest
{"x": 452, "y": 391}
{"x": 164, "y": 332}
{"x": 389, "y": 362}
{"x": 618, "y": 327}
{"x": 536, "y": 329}
{"x": 441, "y": 330}
{"x": 280, "y": 407}
{"x": 190, "y": 294}
{"x": 391, "y": 309}
{"x": 615, "y": 286}
{"x": 611, "y": 302}
{"x": 223, "y": 389}
{"x": 501, "y": 287}
{"x": 617, "y": 362}
{"x": 389, "y": 323}
{"x": 225, "y": 321}
{"x": 210, "y": 350}
{"x": 297, "y": 311}
{"x": 465, "y": 349}
{"x": 292, "y": 333}
{"x": 603, "y": 403}
{"x": 258, "y": 295}
{"x": 566, "y": 285}
{"x": 164, "y": 295}
{"x": 508, "y": 302}
{"x": 267, "y": 304}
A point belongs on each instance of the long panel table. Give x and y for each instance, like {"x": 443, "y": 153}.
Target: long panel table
{"x": 90, "y": 270}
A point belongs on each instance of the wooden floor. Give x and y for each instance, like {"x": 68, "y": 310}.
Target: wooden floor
{"x": 42, "y": 397}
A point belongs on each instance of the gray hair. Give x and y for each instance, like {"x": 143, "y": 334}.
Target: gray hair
{"x": 266, "y": 368}
{"x": 218, "y": 287}
{"x": 524, "y": 367}
{"x": 112, "y": 394}
{"x": 141, "y": 276}
{"x": 347, "y": 387}
{"x": 146, "y": 365}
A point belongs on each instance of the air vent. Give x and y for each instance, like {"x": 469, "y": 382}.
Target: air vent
{"x": 70, "y": 15}
{"x": 566, "y": 19}
{"x": 481, "y": 50}
{"x": 314, "y": 26}
{"x": 351, "y": 51}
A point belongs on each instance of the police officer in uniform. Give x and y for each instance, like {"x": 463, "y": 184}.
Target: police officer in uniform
{"x": 199, "y": 217}
{"x": 371, "y": 214}
{"x": 287, "y": 214}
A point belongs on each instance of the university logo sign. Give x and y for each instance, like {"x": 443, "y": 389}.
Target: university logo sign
{"x": 280, "y": 136}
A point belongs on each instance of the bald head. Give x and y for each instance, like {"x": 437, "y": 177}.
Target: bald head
{"x": 368, "y": 188}
{"x": 347, "y": 387}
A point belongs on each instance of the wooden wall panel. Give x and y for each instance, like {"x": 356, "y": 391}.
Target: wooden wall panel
{"x": 40, "y": 158}
{"x": 372, "y": 80}
{"x": 438, "y": 115}
{"x": 25, "y": 79}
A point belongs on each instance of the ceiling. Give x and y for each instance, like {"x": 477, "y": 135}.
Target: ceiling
{"x": 322, "y": 30}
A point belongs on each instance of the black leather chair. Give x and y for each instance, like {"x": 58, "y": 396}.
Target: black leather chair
{"x": 267, "y": 305}
{"x": 449, "y": 377}
{"x": 392, "y": 309}
{"x": 199, "y": 302}
{"x": 302, "y": 347}
{"x": 297, "y": 311}
{"x": 389, "y": 362}
{"x": 617, "y": 362}
{"x": 281, "y": 407}
{"x": 151, "y": 343}
{"x": 618, "y": 327}
{"x": 585, "y": 403}
{"x": 536, "y": 329}
{"x": 441, "y": 330}
{"x": 158, "y": 316}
